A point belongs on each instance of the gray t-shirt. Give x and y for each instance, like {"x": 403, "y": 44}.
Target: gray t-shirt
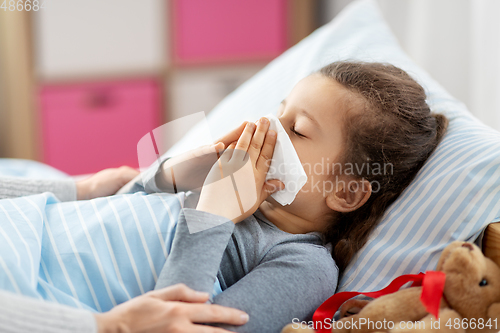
{"x": 272, "y": 275}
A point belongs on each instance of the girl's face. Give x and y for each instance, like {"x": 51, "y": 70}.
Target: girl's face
{"x": 313, "y": 115}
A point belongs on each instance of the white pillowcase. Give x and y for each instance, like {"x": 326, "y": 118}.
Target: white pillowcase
{"x": 454, "y": 196}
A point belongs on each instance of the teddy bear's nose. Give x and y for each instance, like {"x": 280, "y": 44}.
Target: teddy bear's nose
{"x": 468, "y": 245}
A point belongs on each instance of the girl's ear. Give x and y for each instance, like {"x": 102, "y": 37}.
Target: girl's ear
{"x": 349, "y": 196}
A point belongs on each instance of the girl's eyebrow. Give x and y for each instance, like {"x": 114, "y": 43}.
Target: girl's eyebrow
{"x": 306, "y": 114}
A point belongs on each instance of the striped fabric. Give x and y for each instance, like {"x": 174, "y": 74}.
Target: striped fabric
{"x": 456, "y": 194}
{"x": 87, "y": 254}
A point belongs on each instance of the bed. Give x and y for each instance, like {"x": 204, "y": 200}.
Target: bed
{"x": 491, "y": 242}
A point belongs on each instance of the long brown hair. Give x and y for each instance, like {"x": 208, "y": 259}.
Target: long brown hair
{"x": 395, "y": 127}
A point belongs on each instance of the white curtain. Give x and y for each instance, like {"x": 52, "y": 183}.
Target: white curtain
{"x": 458, "y": 43}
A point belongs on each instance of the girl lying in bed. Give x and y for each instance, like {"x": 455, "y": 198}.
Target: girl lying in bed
{"x": 275, "y": 262}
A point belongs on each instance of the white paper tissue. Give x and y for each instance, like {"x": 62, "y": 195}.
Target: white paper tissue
{"x": 285, "y": 165}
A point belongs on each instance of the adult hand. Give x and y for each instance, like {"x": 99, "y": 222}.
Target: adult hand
{"x": 188, "y": 171}
{"x": 173, "y": 309}
{"x": 104, "y": 183}
{"x": 236, "y": 184}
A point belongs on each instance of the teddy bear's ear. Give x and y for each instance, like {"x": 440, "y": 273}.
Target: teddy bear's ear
{"x": 446, "y": 253}
{"x": 494, "y": 311}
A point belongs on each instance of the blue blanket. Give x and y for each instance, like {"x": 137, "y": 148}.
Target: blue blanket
{"x": 89, "y": 254}
{"x": 12, "y": 167}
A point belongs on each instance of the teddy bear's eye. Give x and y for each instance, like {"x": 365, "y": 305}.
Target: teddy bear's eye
{"x": 483, "y": 283}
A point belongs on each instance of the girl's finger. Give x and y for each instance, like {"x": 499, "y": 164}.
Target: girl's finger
{"x": 266, "y": 153}
{"x": 273, "y": 185}
{"x": 223, "y": 161}
{"x": 234, "y": 135}
{"x": 246, "y": 137}
{"x": 208, "y": 149}
{"x": 258, "y": 138}
{"x": 228, "y": 153}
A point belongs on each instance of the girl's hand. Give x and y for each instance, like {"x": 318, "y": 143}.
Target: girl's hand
{"x": 173, "y": 309}
{"x": 188, "y": 171}
{"x": 236, "y": 184}
{"x": 104, "y": 183}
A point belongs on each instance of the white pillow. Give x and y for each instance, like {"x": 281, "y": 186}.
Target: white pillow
{"x": 454, "y": 196}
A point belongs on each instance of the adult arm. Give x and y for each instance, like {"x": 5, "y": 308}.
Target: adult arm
{"x": 291, "y": 281}
{"x": 170, "y": 310}
{"x": 103, "y": 183}
{"x": 25, "y": 314}
{"x": 175, "y": 309}
{"x": 12, "y": 187}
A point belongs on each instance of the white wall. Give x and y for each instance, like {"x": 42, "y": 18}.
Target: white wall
{"x": 456, "y": 41}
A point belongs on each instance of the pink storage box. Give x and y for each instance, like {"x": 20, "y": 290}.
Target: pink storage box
{"x": 92, "y": 126}
{"x": 228, "y": 30}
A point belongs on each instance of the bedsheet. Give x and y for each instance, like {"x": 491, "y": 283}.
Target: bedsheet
{"x": 88, "y": 254}
{"x": 30, "y": 169}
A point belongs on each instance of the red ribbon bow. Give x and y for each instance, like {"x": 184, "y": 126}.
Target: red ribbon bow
{"x": 432, "y": 283}
{"x": 432, "y": 291}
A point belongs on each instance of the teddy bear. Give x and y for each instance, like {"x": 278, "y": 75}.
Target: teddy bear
{"x": 470, "y": 301}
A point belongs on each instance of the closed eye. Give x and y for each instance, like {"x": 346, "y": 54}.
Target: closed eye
{"x": 295, "y": 132}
